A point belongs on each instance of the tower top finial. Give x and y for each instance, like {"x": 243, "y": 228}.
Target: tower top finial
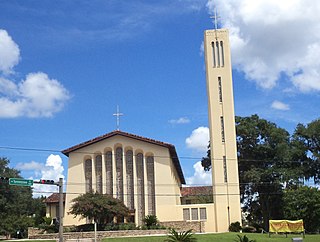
{"x": 118, "y": 114}
{"x": 215, "y": 18}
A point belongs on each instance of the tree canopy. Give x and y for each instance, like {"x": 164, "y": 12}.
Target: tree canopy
{"x": 98, "y": 207}
{"x": 303, "y": 203}
{"x": 271, "y": 160}
{"x": 15, "y": 203}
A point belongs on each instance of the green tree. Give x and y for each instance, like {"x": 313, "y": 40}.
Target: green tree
{"x": 38, "y": 210}
{"x": 307, "y": 142}
{"x": 15, "y": 203}
{"x": 267, "y": 160}
{"x": 303, "y": 203}
{"x": 101, "y": 208}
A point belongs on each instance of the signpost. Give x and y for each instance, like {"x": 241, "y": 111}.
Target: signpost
{"x": 20, "y": 182}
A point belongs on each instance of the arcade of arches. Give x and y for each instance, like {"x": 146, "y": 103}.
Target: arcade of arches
{"x": 123, "y": 175}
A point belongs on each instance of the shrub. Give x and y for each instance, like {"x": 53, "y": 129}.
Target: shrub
{"x": 127, "y": 226}
{"x": 150, "y": 220}
{"x": 235, "y": 227}
{"x": 244, "y": 239}
{"x": 184, "y": 236}
{"x": 249, "y": 229}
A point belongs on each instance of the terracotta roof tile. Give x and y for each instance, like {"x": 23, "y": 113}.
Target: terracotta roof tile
{"x": 194, "y": 191}
{"x": 54, "y": 198}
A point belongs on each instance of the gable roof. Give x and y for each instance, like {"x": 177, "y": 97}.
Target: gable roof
{"x": 172, "y": 149}
{"x": 54, "y": 198}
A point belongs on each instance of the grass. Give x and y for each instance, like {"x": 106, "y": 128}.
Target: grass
{"x": 223, "y": 237}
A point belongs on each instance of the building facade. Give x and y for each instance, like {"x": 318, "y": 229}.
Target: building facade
{"x": 143, "y": 173}
{"x": 225, "y": 178}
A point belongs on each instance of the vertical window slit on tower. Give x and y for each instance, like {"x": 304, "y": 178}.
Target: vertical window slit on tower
{"x": 218, "y": 54}
{"x": 222, "y": 53}
{"x": 225, "y": 169}
{"x": 213, "y": 54}
{"x": 222, "y": 129}
{"x": 220, "y": 89}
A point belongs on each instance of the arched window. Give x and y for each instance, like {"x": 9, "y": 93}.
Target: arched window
{"x": 140, "y": 188}
{"x": 151, "y": 186}
{"x": 119, "y": 173}
{"x": 88, "y": 174}
{"x": 130, "y": 185}
{"x": 109, "y": 175}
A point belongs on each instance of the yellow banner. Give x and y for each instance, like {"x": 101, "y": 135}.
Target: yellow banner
{"x": 286, "y": 226}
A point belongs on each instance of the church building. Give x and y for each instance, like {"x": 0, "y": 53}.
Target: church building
{"x": 143, "y": 173}
{"x": 146, "y": 174}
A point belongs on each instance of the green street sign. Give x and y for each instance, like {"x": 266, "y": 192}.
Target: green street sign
{"x": 20, "y": 182}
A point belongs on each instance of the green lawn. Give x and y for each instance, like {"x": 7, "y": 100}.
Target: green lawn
{"x": 224, "y": 237}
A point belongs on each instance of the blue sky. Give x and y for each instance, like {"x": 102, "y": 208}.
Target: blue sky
{"x": 66, "y": 65}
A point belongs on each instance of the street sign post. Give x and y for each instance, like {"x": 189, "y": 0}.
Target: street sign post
{"x": 20, "y": 182}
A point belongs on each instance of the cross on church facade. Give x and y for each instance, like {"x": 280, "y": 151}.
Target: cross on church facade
{"x": 118, "y": 114}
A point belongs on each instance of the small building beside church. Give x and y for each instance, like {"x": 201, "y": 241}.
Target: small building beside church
{"x": 52, "y": 205}
{"x": 143, "y": 173}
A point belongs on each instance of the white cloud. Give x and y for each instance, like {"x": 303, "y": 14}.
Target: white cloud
{"x": 52, "y": 170}
{"x": 33, "y": 165}
{"x": 270, "y": 37}
{"x": 200, "y": 177}
{"x": 182, "y": 120}
{"x": 9, "y": 53}
{"x": 199, "y": 139}
{"x": 280, "y": 105}
{"x": 36, "y": 96}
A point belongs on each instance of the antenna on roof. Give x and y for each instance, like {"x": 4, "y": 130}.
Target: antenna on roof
{"x": 118, "y": 114}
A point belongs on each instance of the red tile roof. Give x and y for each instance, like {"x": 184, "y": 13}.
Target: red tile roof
{"x": 54, "y": 198}
{"x": 195, "y": 191}
{"x": 171, "y": 147}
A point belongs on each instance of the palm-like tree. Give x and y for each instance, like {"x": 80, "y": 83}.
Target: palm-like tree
{"x": 244, "y": 239}
{"x": 184, "y": 236}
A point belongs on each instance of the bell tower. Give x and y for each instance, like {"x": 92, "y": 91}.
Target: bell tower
{"x": 225, "y": 178}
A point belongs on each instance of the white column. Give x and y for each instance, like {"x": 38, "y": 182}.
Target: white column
{"x": 135, "y": 188}
{"x": 146, "y": 194}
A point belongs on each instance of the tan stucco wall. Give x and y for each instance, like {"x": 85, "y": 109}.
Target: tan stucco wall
{"x": 167, "y": 183}
{"x": 226, "y": 194}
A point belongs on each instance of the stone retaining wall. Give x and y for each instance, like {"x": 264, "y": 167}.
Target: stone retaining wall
{"x": 196, "y": 226}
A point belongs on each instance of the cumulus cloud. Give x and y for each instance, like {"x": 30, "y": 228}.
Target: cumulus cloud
{"x": 182, "y": 120}
{"x": 9, "y": 52}
{"x": 270, "y": 38}
{"x": 280, "y": 105}
{"x": 35, "y": 96}
{"x": 199, "y": 139}
{"x": 200, "y": 177}
{"x": 51, "y": 170}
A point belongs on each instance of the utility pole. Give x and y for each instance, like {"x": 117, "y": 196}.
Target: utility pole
{"x": 60, "y": 209}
